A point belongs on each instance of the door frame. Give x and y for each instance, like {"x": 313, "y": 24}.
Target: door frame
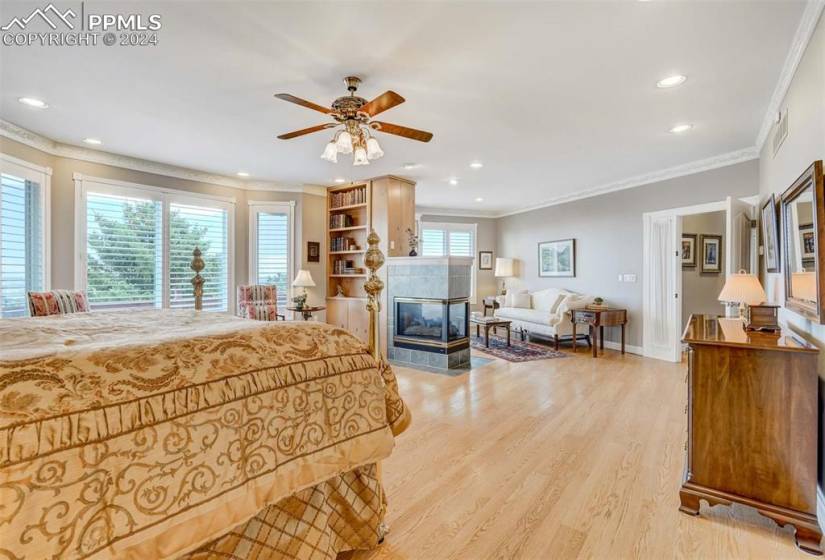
{"x": 675, "y": 352}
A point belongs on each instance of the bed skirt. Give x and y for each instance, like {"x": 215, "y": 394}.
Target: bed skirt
{"x": 343, "y": 513}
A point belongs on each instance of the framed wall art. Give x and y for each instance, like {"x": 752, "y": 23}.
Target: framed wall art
{"x": 557, "y": 258}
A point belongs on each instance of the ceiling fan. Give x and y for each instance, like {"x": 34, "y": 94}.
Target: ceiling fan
{"x": 353, "y": 114}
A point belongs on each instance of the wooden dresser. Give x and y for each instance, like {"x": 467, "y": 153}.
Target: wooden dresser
{"x": 752, "y": 424}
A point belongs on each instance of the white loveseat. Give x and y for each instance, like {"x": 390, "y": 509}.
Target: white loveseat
{"x": 545, "y": 313}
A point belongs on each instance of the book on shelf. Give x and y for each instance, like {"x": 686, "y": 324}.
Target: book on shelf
{"x": 340, "y": 221}
{"x": 348, "y": 198}
{"x": 337, "y": 244}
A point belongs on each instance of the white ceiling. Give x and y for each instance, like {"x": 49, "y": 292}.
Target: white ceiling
{"x": 553, "y": 98}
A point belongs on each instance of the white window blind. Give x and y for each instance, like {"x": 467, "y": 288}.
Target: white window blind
{"x": 433, "y": 242}
{"x": 272, "y": 246}
{"x": 21, "y": 243}
{"x": 138, "y": 244}
{"x": 206, "y": 228}
{"x": 124, "y": 249}
{"x": 455, "y": 240}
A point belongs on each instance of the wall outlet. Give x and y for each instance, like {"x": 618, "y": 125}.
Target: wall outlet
{"x": 392, "y": 244}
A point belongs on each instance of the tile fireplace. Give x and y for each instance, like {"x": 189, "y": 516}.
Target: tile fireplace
{"x": 432, "y": 325}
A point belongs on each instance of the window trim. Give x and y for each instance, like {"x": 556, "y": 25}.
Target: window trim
{"x": 42, "y": 175}
{"x": 458, "y": 226}
{"x": 256, "y": 206}
{"x": 166, "y": 197}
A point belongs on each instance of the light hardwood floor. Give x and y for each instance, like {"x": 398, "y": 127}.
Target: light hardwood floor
{"x": 565, "y": 458}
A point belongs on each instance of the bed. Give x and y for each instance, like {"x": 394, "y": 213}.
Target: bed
{"x": 184, "y": 434}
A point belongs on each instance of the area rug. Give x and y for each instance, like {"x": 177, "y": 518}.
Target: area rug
{"x": 518, "y": 351}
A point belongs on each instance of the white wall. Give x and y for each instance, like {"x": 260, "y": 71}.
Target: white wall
{"x": 805, "y": 103}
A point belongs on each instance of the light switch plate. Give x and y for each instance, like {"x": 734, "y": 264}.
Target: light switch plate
{"x": 621, "y": 278}
{"x": 630, "y": 278}
{"x": 392, "y": 244}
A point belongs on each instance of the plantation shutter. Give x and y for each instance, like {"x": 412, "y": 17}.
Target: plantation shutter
{"x": 124, "y": 248}
{"x": 461, "y": 243}
{"x": 206, "y": 228}
{"x": 21, "y": 244}
{"x": 273, "y": 253}
{"x": 432, "y": 242}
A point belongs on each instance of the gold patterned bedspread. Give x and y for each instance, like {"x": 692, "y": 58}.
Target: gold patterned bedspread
{"x": 145, "y": 434}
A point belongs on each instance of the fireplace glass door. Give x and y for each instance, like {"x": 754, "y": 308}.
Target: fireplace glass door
{"x": 420, "y": 320}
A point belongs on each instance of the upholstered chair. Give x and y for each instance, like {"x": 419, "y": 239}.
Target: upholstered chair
{"x": 259, "y": 302}
{"x": 57, "y": 302}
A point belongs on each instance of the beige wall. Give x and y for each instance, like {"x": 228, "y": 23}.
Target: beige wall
{"x": 700, "y": 292}
{"x": 608, "y": 233}
{"x": 307, "y": 213}
{"x": 486, "y": 241}
{"x": 805, "y": 103}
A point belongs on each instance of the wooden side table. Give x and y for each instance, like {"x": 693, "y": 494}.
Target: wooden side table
{"x": 597, "y": 320}
{"x": 306, "y": 311}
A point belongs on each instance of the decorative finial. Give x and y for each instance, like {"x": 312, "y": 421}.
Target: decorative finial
{"x": 198, "y": 281}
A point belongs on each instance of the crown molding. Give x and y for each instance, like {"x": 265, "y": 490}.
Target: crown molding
{"x": 698, "y": 166}
{"x": 44, "y": 144}
{"x": 450, "y": 212}
{"x": 804, "y": 32}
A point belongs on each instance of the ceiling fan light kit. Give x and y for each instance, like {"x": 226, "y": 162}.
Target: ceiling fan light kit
{"x": 353, "y": 115}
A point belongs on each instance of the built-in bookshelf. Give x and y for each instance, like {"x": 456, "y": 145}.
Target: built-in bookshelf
{"x": 348, "y": 221}
{"x": 384, "y": 204}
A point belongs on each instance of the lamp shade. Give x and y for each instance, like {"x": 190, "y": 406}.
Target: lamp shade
{"x": 742, "y": 288}
{"x": 374, "y": 150}
{"x": 331, "y": 152}
{"x": 360, "y": 156}
{"x": 803, "y": 285}
{"x": 504, "y": 267}
{"x": 303, "y": 280}
{"x": 344, "y": 143}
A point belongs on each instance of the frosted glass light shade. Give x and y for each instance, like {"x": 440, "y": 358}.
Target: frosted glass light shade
{"x": 303, "y": 280}
{"x": 803, "y": 285}
{"x": 360, "y": 157}
{"x": 330, "y": 152}
{"x": 344, "y": 143}
{"x": 742, "y": 288}
{"x": 374, "y": 150}
{"x": 504, "y": 267}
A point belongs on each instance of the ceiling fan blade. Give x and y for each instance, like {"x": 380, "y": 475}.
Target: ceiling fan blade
{"x": 386, "y": 100}
{"x": 398, "y": 130}
{"x": 302, "y": 102}
{"x": 309, "y": 130}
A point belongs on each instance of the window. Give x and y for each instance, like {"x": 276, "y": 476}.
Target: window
{"x": 270, "y": 246}
{"x": 455, "y": 240}
{"x": 23, "y": 233}
{"x": 135, "y": 245}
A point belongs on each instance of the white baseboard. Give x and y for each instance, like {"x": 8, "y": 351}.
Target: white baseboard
{"x": 820, "y": 507}
{"x": 629, "y": 348}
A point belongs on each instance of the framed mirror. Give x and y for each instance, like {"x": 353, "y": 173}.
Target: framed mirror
{"x": 803, "y": 219}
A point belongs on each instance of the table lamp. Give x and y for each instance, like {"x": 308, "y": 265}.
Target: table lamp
{"x": 303, "y": 280}
{"x": 504, "y": 269}
{"x": 744, "y": 289}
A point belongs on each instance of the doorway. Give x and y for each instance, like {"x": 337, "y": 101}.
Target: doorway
{"x": 662, "y": 289}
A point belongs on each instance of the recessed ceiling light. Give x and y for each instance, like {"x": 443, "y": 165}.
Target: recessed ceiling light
{"x": 411, "y": 165}
{"x": 453, "y": 181}
{"x": 32, "y": 102}
{"x": 680, "y": 128}
{"x": 340, "y": 180}
{"x": 479, "y": 199}
{"x": 671, "y": 81}
{"x": 93, "y": 141}
{"x": 476, "y": 165}
{"x": 243, "y": 174}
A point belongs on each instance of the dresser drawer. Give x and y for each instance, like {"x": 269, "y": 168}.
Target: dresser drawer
{"x": 584, "y": 316}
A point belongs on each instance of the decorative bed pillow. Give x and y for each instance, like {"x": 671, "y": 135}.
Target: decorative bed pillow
{"x": 57, "y": 302}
